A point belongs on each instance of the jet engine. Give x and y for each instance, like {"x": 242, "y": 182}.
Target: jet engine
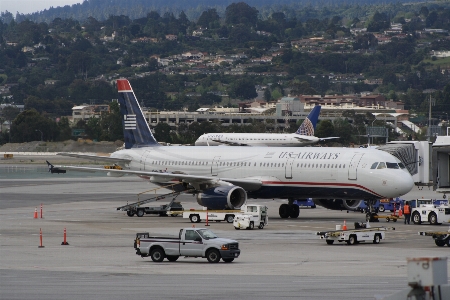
{"x": 222, "y": 197}
{"x": 338, "y": 204}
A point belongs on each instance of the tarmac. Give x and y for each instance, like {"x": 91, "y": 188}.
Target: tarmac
{"x": 284, "y": 260}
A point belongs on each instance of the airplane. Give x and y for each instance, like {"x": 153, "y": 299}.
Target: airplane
{"x": 223, "y": 179}
{"x": 302, "y": 137}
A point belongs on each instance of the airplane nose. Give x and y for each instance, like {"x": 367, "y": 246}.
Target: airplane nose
{"x": 404, "y": 184}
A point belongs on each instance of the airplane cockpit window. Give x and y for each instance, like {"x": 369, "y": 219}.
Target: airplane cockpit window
{"x": 374, "y": 165}
{"x": 382, "y": 165}
{"x": 401, "y": 165}
{"x": 392, "y": 165}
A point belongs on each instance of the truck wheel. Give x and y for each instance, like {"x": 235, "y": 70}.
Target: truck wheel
{"x": 440, "y": 243}
{"x": 381, "y": 208}
{"x": 284, "y": 211}
{"x": 237, "y": 228}
{"x": 172, "y": 257}
{"x": 251, "y": 226}
{"x": 351, "y": 240}
{"x": 229, "y": 218}
{"x": 140, "y": 213}
{"x": 130, "y": 213}
{"x": 261, "y": 226}
{"x": 213, "y": 256}
{"x": 432, "y": 218}
{"x": 416, "y": 218}
{"x": 227, "y": 260}
{"x": 448, "y": 242}
{"x": 157, "y": 255}
{"x": 194, "y": 218}
{"x": 295, "y": 211}
{"x": 376, "y": 239}
{"x": 330, "y": 242}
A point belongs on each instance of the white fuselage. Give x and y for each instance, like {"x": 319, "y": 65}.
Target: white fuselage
{"x": 256, "y": 139}
{"x": 305, "y": 172}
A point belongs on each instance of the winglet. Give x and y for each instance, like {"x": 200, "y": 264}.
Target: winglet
{"x": 135, "y": 128}
{"x": 309, "y": 124}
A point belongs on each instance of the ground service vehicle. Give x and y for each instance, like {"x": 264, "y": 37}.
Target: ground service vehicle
{"x": 441, "y": 238}
{"x": 191, "y": 242}
{"x": 196, "y": 216}
{"x": 353, "y": 236}
{"x": 423, "y": 210}
{"x": 253, "y": 215}
{"x": 305, "y": 202}
{"x": 390, "y": 204}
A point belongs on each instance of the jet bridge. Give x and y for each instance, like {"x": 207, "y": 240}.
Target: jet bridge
{"x": 441, "y": 164}
{"x": 416, "y": 156}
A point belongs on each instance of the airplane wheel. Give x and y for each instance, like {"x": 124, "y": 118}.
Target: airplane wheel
{"x": 294, "y": 211}
{"x": 284, "y": 211}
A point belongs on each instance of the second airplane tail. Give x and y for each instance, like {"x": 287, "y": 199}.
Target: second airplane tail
{"x": 309, "y": 124}
{"x": 135, "y": 128}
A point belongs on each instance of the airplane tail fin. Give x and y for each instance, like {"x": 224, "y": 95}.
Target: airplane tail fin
{"x": 135, "y": 128}
{"x": 309, "y": 124}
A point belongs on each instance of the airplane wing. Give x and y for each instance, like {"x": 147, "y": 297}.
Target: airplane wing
{"x": 96, "y": 157}
{"x": 249, "y": 184}
{"x": 230, "y": 143}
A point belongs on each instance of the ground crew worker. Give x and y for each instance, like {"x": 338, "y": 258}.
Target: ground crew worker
{"x": 407, "y": 212}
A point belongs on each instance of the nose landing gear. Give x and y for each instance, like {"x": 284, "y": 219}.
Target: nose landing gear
{"x": 372, "y": 213}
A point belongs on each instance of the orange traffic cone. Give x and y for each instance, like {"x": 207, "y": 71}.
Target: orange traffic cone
{"x": 345, "y": 226}
{"x": 35, "y": 213}
{"x": 400, "y": 213}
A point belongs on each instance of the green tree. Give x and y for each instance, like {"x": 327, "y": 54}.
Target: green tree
{"x": 244, "y": 89}
{"x": 65, "y": 132}
{"x": 162, "y": 132}
{"x": 26, "y": 127}
{"x": 324, "y": 128}
{"x": 241, "y": 13}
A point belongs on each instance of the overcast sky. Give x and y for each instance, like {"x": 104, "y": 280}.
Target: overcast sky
{"x": 29, "y": 6}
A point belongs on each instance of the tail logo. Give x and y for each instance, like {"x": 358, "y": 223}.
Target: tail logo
{"x": 307, "y": 128}
{"x": 130, "y": 122}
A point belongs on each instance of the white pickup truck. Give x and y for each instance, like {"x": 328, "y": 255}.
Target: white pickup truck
{"x": 191, "y": 242}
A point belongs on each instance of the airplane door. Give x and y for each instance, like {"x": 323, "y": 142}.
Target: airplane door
{"x": 288, "y": 169}
{"x": 353, "y": 167}
{"x": 215, "y": 165}
{"x": 143, "y": 162}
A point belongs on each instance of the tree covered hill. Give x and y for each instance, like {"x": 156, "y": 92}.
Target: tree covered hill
{"x": 134, "y": 9}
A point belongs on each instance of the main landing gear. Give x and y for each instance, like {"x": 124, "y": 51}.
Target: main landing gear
{"x": 371, "y": 215}
{"x": 289, "y": 210}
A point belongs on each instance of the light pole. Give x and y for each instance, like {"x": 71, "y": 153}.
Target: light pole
{"x": 42, "y": 135}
